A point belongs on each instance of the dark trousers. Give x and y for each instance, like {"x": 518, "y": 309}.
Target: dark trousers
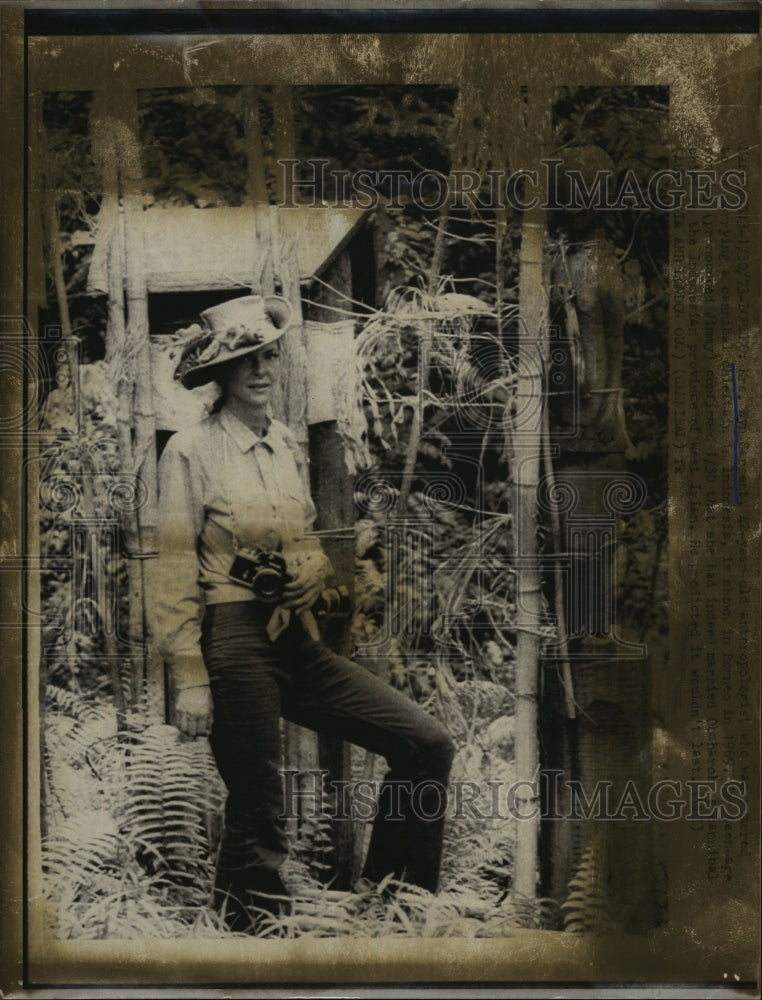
{"x": 254, "y": 681}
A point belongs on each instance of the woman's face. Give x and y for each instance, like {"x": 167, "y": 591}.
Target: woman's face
{"x": 251, "y": 379}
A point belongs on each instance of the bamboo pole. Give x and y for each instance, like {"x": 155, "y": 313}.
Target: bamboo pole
{"x": 105, "y": 152}
{"x": 115, "y": 141}
{"x": 36, "y": 299}
{"x": 425, "y": 350}
{"x": 144, "y": 464}
{"x": 70, "y": 365}
{"x": 105, "y": 134}
{"x": 533, "y": 313}
{"x": 558, "y": 583}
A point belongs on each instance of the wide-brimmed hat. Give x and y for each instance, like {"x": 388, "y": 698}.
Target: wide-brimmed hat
{"x": 228, "y": 331}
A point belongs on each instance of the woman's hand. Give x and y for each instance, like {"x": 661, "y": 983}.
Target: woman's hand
{"x": 307, "y": 581}
{"x": 193, "y": 710}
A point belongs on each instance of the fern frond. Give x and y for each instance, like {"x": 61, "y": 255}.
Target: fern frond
{"x": 171, "y": 797}
{"x": 71, "y": 703}
{"x": 588, "y": 908}
{"x": 83, "y": 848}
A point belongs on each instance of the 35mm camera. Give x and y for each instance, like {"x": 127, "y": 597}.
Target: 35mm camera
{"x": 266, "y": 574}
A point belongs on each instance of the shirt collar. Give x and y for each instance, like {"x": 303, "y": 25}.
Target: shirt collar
{"x": 243, "y": 436}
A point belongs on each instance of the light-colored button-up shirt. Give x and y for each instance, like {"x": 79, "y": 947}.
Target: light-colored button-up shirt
{"x": 222, "y": 488}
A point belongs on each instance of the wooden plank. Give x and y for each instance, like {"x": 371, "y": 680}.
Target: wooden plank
{"x": 190, "y": 248}
{"x": 330, "y": 361}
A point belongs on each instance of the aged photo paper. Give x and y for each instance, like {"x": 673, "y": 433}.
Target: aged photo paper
{"x": 396, "y": 372}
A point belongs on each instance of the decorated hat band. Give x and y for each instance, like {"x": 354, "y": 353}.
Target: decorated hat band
{"x": 228, "y": 331}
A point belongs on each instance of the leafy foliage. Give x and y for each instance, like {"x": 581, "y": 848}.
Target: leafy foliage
{"x": 130, "y": 849}
{"x": 80, "y": 471}
{"x": 396, "y": 127}
{"x": 193, "y": 142}
{"x": 70, "y": 164}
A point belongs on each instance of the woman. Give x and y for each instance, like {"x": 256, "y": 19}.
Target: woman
{"x": 239, "y": 575}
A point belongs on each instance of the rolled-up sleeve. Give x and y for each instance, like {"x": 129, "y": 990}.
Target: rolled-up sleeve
{"x": 178, "y": 596}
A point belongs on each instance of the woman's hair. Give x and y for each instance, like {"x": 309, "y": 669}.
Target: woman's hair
{"x": 218, "y": 403}
{"x": 221, "y": 379}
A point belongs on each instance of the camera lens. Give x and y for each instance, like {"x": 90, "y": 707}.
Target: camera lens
{"x": 268, "y": 586}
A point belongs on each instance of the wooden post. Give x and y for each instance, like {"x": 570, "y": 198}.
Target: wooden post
{"x": 300, "y": 745}
{"x": 294, "y": 363}
{"x": 284, "y": 139}
{"x": 263, "y": 279}
{"x": 333, "y": 493}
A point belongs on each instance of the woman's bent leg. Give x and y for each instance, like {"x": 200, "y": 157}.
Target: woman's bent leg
{"x": 334, "y": 695}
{"x": 245, "y": 740}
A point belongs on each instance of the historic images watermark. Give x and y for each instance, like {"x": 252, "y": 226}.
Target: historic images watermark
{"x": 698, "y": 190}
{"x": 308, "y": 794}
